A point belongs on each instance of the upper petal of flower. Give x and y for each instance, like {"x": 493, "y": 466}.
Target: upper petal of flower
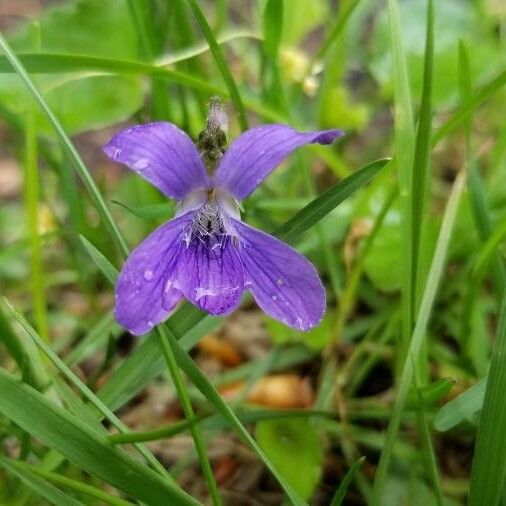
{"x": 257, "y": 152}
{"x": 145, "y": 291}
{"x": 284, "y": 283}
{"x": 163, "y": 154}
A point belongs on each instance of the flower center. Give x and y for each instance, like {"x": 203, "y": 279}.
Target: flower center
{"x": 208, "y": 222}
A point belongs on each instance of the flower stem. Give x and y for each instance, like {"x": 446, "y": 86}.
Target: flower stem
{"x": 184, "y": 399}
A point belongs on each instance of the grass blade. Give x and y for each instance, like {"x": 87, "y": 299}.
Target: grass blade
{"x": 32, "y": 212}
{"x": 38, "y": 485}
{"x": 340, "y": 494}
{"x": 65, "y": 433}
{"x": 221, "y": 63}
{"x": 404, "y": 146}
{"x": 78, "y": 486}
{"x": 211, "y": 394}
{"x": 427, "y": 301}
{"x": 489, "y": 461}
{"x": 461, "y": 408}
{"x": 328, "y": 201}
{"x": 421, "y": 160}
{"x": 86, "y": 392}
{"x": 67, "y": 143}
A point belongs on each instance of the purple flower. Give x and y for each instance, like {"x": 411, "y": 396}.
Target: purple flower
{"x": 206, "y": 253}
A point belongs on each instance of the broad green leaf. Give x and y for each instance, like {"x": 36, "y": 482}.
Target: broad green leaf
{"x": 59, "y": 430}
{"x": 90, "y": 27}
{"x": 454, "y": 20}
{"x": 295, "y": 447}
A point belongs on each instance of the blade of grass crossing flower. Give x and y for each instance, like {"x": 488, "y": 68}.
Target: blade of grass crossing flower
{"x": 58, "y": 429}
{"x": 340, "y": 494}
{"x": 421, "y": 157}
{"x": 85, "y": 391}
{"x": 328, "y": 201}
{"x": 182, "y": 394}
{"x": 211, "y": 394}
{"x": 221, "y": 63}
{"x": 427, "y": 301}
{"x": 38, "y": 485}
{"x": 32, "y": 213}
{"x": 79, "y": 164}
{"x": 404, "y": 148}
{"x": 489, "y": 460}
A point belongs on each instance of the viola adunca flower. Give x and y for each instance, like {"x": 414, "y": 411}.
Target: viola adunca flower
{"x": 206, "y": 253}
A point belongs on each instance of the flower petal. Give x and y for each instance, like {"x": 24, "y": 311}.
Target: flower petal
{"x": 257, "y": 152}
{"x": 163, "y": 154}
{"x": 284, "y": 283}
{"x": 145, "y": 292}
{"x": 211, "y": 278}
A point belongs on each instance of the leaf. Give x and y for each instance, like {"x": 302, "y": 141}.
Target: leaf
{"x": 462, "y": 408}
{"x": 489, "y": 460}
{"x": 162, "y": 210}
{"x": 454, "y": 20}
{"x": 346, "y": 482}
{"x": 412, "y": 357}
{"x": 328, "y": 201}
{"x": 82, "y": 445}
{"x": 221, "y": 63}
{"x": 90, "y": 27}
{"x": 38, "y": 485}
{"x": 105, "y": 266}
{"x": 296, "y": 449}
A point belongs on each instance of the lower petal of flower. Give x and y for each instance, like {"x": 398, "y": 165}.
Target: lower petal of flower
{"x": 210, "y": 273}
{"x": 146, "y": 290}
{"x": 284, "y": 283}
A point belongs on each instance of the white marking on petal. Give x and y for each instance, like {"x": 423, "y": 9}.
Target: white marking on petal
{"x": 204, "y": 292}
{"x": 148, "y": 275}
{"x": 141, "y": 164}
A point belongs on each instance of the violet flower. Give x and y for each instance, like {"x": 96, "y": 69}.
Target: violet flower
{"x": 206, "y": 253}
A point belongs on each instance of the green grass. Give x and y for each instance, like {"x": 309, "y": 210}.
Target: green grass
{"x": 404, "y": 219}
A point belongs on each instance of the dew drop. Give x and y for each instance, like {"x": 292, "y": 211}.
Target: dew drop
{"x": 274, "y": 297}
{"x": 279, "y": 281}
{"x": 148, "y": 275}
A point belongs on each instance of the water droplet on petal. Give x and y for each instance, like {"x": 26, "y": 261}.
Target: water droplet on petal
{"x": 279, "y": 281}
{"x": 148, "y": 275}
{"x": 274, "y": 297}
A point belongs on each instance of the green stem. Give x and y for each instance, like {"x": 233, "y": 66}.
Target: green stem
{"x": 184, "y": 399}
{"x": 32, "y": 212}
